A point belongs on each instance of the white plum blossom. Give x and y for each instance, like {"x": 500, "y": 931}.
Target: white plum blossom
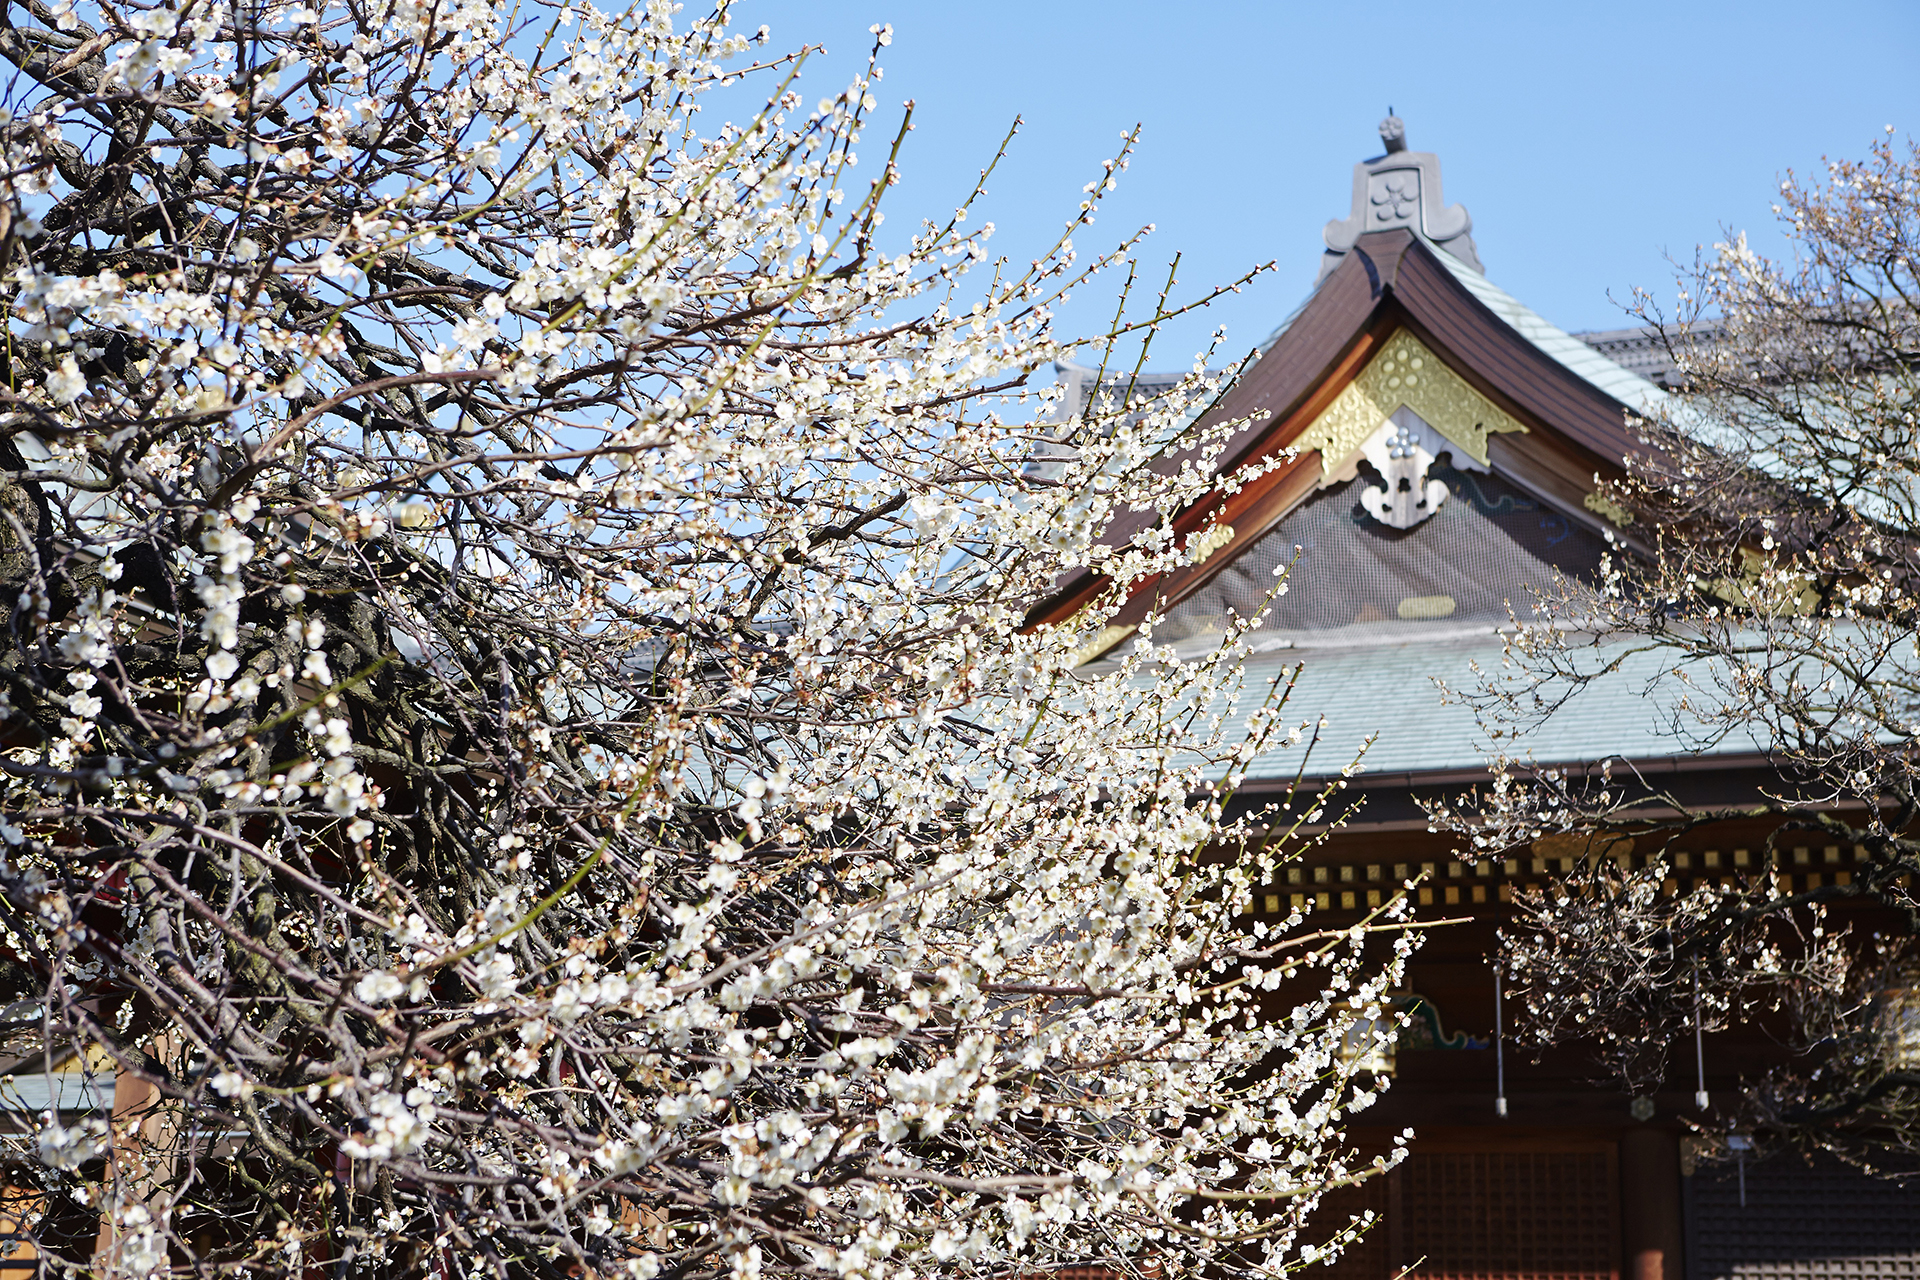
{"x": 393, "y": 1126}
{"x": 229, "y": 1083}
{"x": 339, "y": 737}
{"x": 139, "y": 1246}
{"x": 379, "y": 987}
{"x": 61, "y": 1146}
{"x": 66, "y": 383}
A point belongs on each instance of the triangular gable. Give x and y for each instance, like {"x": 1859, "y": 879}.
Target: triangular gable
{"x": 1324, "y": 387}
{"x": 1469, "y": 565}
{"x": 1403, "y": 373}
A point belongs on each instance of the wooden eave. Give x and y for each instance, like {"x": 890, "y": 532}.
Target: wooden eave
{"x": 1390, "y": 279}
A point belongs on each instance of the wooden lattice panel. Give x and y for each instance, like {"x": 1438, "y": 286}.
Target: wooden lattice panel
{"x": 1542, "y": 1215}
{"x": 1371, "y": 1257}
{"x": 1479, "y": 1215}
{"x": 1824, "y": 1222}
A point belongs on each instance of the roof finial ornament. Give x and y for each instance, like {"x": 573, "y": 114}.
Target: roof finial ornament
{"x": 1396, "y": 190}
{"x": 1393, "y": 132}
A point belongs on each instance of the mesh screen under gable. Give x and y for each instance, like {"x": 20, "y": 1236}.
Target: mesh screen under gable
{"x": 1486, "y": 546}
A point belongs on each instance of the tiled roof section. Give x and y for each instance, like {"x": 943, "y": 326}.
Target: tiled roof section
{"x": 1641, "y": 351}
{"x": 1385, "y": 687}
{"x": 1079, "y": 381}
{"x": 1083, "y": 387}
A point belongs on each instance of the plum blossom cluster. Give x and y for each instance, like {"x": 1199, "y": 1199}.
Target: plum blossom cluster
{"x": 522, "y": 740}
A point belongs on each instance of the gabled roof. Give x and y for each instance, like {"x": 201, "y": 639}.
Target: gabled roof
{"x": 1407, "y": 372}
{"x": 1475, "y": 561}
{"x": 1574, "y": 404}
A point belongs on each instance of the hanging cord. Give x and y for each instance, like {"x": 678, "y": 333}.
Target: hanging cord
{"x": 1699, "y": 1047}
{"x": 1499, "y": 1053}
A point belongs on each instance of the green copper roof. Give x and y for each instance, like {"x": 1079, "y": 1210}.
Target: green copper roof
{"x": 1389, "y": 689}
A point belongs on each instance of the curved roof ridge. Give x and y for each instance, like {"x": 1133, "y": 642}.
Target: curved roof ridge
{"x": 1624, "y": 385}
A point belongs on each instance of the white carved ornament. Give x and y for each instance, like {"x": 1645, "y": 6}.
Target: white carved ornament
{"x": 1456, "y": 419}
{"x": 1401, "y": 451}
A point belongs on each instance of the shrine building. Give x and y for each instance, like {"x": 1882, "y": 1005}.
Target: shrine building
{"x": 1449, "y": 444}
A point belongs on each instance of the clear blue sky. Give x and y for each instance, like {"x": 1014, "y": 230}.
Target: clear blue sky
{"x": 1587, "y": 140}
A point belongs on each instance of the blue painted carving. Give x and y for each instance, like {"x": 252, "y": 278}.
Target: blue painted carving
{"x": 1423, "y": 1029}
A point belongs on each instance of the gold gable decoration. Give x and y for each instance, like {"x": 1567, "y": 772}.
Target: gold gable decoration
{"x": 1404, "y": 373}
